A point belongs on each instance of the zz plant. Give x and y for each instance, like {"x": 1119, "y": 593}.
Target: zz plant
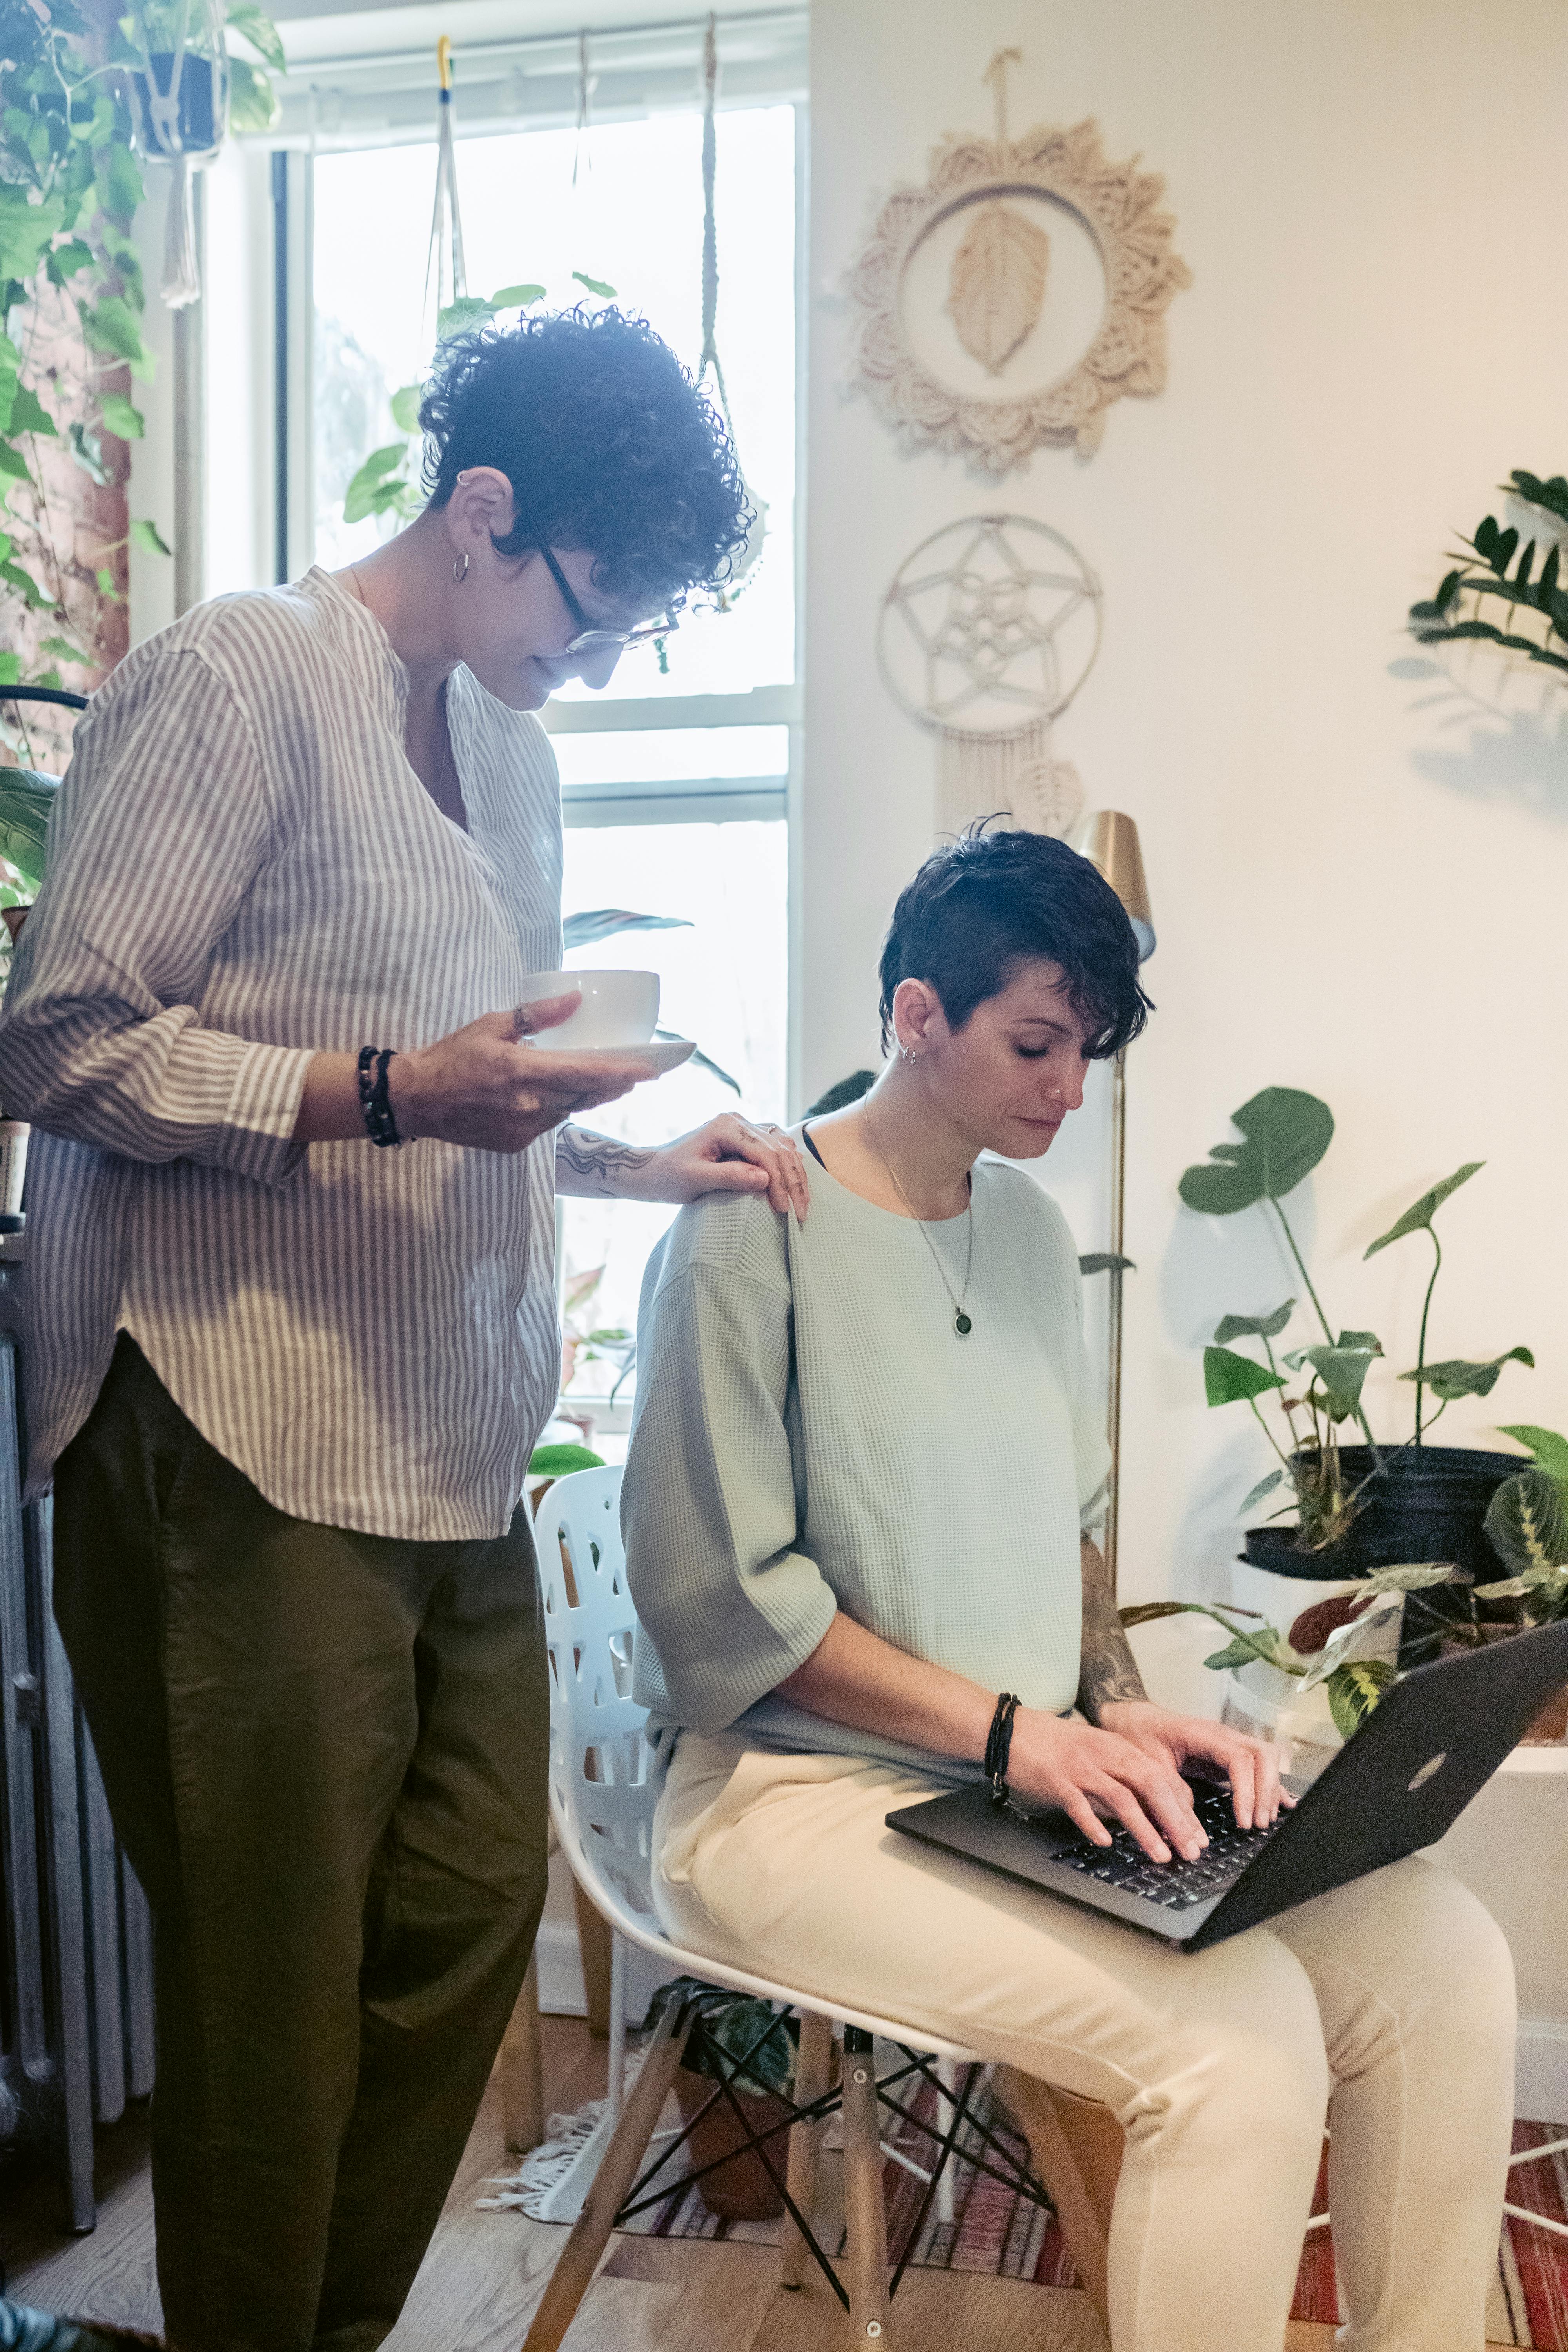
{"x": 1487, "y": 575}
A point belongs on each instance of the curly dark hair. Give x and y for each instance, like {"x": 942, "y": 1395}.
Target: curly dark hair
{"x": 982, "y": 904}
{"x": 606, "y": 442}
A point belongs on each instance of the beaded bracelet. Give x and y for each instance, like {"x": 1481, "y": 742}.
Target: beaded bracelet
{"x": 381, "y": 1126}
{"x": 999, "y": 1745}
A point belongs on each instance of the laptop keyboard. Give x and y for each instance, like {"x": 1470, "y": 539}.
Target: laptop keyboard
{"x": 1176, "y": 1885}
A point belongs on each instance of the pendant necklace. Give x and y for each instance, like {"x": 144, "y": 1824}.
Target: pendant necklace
{"x": 962, "y": 1322}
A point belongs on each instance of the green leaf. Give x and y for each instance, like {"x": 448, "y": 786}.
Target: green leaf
{"x": 1418, "y": 1219}
{"x": 1229, "y": 1378}
{"x": 87, "y": 451}
{"x": 1551, "y": 1451}
{"x": 25, "y": 586}
{"x": 517, "y": 298}
{"x": 1105, "y": 1261}
{"x": 1416, "y": 1577}
{"x": 1527, "y": 1523}
{"x": 701, "y": 1060}
{"x": 594, "y": 285}
{"x": 1513, "y": 1588}
{"x": 252, "y": 25}
{"x": 147, "y": 536}
{"x": 1342, "y": 1372}
{"x": 467, "y": 310}
{"x": 63, "y": 650}
{"x": 111, "y": 326}
{"x": 67, "y": 259}
{"x": 406, "y": 407}
{"x": 106, "y": 586}
{"x": 252, "y": 100}
{"x": 119, "y": 181}
{"x": 1256, "y": 1494}
{"x": 12, "y": 464}
{"x": 375, "y": 486}
{"x": 604, "y": 922}
{"x": 1455, "y": 1378}
{"x": 1260, "y": 1326}
{"x": 26, "y": 231}
{"x": 10, "y": 669}
{"x": 1287, "y": 1134}
{"x": 1354, "y": 1690}
{"x": 1367, "y": 1340}
{"x": 560, "y": 1461}
{"x": 1551, "y": 494}
{"x": 120, "y": 417}
{"x": 28, "y": 414}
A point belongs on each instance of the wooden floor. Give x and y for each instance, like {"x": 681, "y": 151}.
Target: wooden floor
{"x": 485, "y": 2272}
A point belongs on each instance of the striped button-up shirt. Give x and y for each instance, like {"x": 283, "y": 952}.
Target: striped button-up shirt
{"x": 244, "y": 869}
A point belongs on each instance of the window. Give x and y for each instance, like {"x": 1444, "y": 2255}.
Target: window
{"x": 675, "y": 779}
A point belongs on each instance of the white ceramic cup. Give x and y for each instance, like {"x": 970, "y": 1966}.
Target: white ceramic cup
{"x": 618, "y": 1008}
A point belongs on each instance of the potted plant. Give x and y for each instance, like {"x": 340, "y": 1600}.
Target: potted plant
{"x": 1367, "y": 1505}
{"x": 1488, "y": 569}
{"x": 746, "y": 2043}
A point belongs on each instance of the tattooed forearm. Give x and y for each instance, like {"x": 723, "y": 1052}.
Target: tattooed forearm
{"x": 1107, "y": 1670}
{"x": 594, "y": 1167}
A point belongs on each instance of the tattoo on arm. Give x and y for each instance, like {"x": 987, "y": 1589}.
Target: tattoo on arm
{"x": 1107, "y": 1670}
{"x": 593, "y": 1165}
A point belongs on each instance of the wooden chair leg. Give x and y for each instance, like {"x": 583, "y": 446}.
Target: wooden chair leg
{"x": 865, "y": 2217}
{"x": 1077, "y": 2146}
{"x": 593, "y": 1941}
{"x": 572, "y": 2275}
{"x": 813, "y": 2076}
{"x": 520, "y": 2066}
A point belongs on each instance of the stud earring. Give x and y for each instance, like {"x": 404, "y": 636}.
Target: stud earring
{"x": 460, "y": 567}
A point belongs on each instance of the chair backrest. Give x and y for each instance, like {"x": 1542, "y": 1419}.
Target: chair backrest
{"x": 603, "y": 1767}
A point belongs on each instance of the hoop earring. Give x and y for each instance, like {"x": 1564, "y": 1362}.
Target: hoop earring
{"x": 461, "y": 567}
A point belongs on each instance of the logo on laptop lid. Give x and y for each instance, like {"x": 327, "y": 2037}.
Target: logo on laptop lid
{"x": 1429, "y": 1770}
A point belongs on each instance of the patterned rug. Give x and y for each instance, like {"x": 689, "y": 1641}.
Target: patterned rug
{"x": 994, "y": 2229}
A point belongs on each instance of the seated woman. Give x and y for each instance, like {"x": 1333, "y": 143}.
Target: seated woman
{"x": 866, "y": 1457}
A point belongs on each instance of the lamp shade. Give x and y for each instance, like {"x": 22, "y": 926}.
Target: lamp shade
{"x": 1109, "y": 842}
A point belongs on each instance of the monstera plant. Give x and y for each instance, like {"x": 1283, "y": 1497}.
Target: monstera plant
{"x": 1315, "y": 1386}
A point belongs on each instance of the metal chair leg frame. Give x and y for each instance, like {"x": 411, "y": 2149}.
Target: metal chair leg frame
{"x": 947, "y": 2075}
{"x": 863, "y": 2213}
{"x": 813, "y": 2073}
{"x": 617, "y": 2081}
{"x": 573, "y": 2275}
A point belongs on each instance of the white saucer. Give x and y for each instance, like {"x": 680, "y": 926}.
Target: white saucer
{"x": 660, "y": 1054}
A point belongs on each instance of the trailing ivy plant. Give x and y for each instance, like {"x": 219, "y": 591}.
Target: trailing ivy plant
{"x": 69, "y": 188}
{"x": 1488, "y": 570}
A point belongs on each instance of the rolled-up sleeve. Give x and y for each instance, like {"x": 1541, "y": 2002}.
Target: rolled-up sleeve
{"x": 729, "y": 1605}
{"x": 161, "y": 826}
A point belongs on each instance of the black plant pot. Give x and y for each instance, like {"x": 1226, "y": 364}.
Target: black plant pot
{"x": 204, "y": 99}
{"x": 1425, "y": 1503}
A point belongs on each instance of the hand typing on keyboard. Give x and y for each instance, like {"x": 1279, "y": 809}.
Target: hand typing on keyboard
{"x": 1176, "y": 1885}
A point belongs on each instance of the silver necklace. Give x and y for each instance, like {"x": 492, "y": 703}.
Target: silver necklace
{"x": 962, "y": 1323}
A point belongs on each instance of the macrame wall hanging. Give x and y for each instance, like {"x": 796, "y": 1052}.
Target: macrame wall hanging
{"x": 1015, "y": 296}
{"x": 180, "y": 93}
{"x": 986, "y": 634}
{"x": 446, "y": 280}
{"x": 745, "y": 563}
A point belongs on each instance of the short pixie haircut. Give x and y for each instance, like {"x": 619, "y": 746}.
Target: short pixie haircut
{"x": 991, "y": 900}
{"x": 606, "y": 442}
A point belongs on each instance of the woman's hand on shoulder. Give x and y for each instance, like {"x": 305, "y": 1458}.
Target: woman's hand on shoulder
{"x": 730, "y": 1154}
{"x": 1181, "y": 1741}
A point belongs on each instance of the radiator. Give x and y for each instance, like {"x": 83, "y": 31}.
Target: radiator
{"x": 76, "y": 1940}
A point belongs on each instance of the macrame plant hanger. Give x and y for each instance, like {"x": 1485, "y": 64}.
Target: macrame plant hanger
{"x": 582, "y": 146}
{"x": 182, "y": 117}
{"x": 446, "y": 280}
{"x": 745, "y": 563}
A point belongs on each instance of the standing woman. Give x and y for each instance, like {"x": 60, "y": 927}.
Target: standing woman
{"x": 291, "y": 1327}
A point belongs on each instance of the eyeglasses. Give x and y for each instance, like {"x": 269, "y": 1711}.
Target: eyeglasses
{"x": 592, "y": 639}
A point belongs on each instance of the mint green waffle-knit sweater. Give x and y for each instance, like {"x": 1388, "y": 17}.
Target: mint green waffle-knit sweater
{"x": 812, "y": 1434}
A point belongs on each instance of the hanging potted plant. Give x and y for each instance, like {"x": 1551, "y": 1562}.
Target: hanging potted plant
{"x": 1371, "y": 1503}
{"x": 184, "y": 85}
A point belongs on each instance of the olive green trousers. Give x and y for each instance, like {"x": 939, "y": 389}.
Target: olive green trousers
{"x": 325, "y": 1753}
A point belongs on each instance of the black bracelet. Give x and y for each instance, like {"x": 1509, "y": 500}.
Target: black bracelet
{"x": 381, "y": 1126}
{"x": 999, "y": 1745}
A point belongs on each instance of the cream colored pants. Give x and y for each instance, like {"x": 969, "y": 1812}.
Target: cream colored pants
{"x": 1390, "y": 2003}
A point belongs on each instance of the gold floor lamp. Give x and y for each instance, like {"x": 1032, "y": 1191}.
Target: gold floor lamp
{"x": 1109, "y": 841}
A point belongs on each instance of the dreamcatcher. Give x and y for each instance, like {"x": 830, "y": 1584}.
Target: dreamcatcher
{"x": 180, "y": 95}
{"x": 745, "y": 563}
{"x": 987, "y": 633}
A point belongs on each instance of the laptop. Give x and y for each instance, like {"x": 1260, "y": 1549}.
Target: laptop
{"x": 1433, "y": 1740}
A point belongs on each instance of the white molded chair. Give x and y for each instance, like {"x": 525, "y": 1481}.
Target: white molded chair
{"x": 604, "y": 1772}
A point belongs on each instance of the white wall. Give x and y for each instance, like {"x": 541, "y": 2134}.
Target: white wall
{"x": 1359, "y": 875}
